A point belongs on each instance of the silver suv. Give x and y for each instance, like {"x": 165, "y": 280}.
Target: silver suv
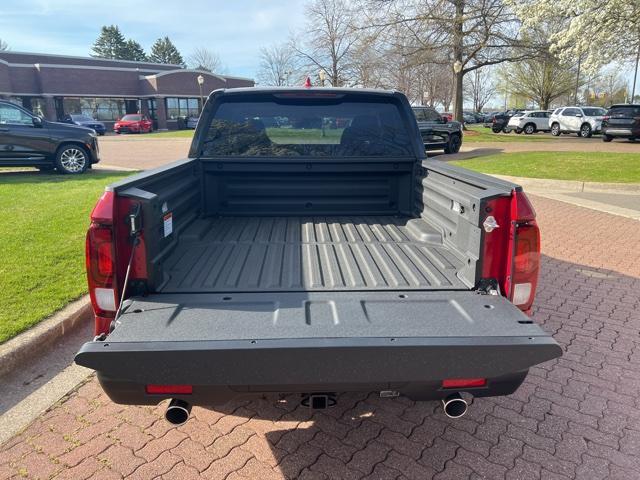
{"x": 585, "y": 121}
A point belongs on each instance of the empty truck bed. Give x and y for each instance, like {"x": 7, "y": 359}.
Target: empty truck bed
{"x": 245, "y": 254}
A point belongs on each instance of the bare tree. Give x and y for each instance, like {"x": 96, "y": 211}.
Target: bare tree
{"x": 3, "y": 45}
{"x": 277, "y": 65}
{"x": 480, "y": 87}
{"x": 465, "y": 35}
{"x": 204, "y": 59}
{"x": 328, "y": 40}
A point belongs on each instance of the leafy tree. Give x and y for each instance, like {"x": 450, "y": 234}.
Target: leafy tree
{"x": 544, "y": 77}
{"x": 599, "y": 31}
{"x": 133, "y": 51}
{"x": 110, "y": 43}
{"x": 204, "y": 59}
{"x": 164, "y": 51}
{"x": 3, "y": 45}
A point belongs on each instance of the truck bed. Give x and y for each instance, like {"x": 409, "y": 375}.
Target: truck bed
{"x": 287, "y": 254}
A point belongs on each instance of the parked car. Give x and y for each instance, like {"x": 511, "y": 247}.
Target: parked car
{"x": 438, "y": 132}
{"x": 487, "y": 122}
{"x": 530, "y": 122}
{"x": 584, "y": 121}
{"x": 85, "y": 121}
{"x": 621, "y": 121}
{"x": 27, "y": 140}
{"x": 133, "y": 123}
{"x": 350, "y": 265}
{"x": 447, "y": 115}
{"x": 501, "y": 121}
{"x": 192, "y": 122}
{"x": 469, "y": 118}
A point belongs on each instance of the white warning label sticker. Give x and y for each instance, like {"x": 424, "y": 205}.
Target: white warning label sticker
{"x": 168, "y": 223}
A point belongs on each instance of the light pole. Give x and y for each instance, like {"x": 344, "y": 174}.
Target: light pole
{"x": 200, "y": 83}
{"x": 323, "y": 76}
{"x": 635, "y": 76}
{"x": 457, "y": 98}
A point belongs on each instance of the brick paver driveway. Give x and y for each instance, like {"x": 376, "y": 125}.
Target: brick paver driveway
{"x": 576, "y": 417}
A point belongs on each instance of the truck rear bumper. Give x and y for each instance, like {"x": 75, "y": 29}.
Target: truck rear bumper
{"x": 132, "y": 393}
{"x": 227, "y": 346}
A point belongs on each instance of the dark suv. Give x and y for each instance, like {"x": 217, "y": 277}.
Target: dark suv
{"x": 621, "y": 121}
{"x": 29, "y": 141}
{"x": 438, "y": 132}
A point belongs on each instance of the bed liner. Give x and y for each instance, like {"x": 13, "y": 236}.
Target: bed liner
{"x": 245, "y": 254}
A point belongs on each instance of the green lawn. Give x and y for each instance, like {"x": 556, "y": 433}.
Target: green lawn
{"x": 168, "y": 134}
{"x": 43, "y": 221}
{"x": 477, "y": 133}
{"x": 583, "y": 166}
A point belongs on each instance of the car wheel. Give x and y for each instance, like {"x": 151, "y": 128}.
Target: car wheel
{"x": 555, "y": 130}
{"x": 496, "y": 129}
{"x": 518, "y": 131}
{"x": 455, "y": 142}
{"x": 585, "y": 131}
{"x": 72, "y": 159}
{"x": 529, "y": 129}
{"x": 607, "y": 138}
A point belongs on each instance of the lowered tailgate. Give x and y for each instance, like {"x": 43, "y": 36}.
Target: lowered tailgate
{"x": 317, "y": 338}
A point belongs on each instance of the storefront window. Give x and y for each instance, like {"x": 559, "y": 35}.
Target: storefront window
{"x": 99, "y": 108}
{"x": 182, "y": 107}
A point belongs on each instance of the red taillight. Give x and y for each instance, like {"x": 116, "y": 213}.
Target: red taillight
{"x": 100, "y": 261}
{"x": 169, "y": 389}
{"x": 526, "y": 265}
{"x": 511, "y": 252}
{"x": 526, "y": 255}
{"x": 464, "y": 382}
{"x": 105, "y": 258}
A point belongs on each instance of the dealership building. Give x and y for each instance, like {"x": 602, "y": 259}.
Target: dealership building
{"x": 57, "y": 85}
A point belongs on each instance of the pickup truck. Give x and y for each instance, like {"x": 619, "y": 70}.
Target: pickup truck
{"x": 437, "y": 131}
{"x": 306, "y": 245}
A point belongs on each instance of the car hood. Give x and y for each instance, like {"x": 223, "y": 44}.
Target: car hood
{"x": 128, "y": 122}
{"x": 89, "y": 122}
{"x": 69, "y": 127}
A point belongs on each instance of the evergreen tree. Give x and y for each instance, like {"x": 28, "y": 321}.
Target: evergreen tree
{"x": 110, "y": 43}
{"x": 164, "y": 51}
{"x": 133, "y": 51}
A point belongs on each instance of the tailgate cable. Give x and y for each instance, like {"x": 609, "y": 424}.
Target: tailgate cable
{"x": 135, "y": 229}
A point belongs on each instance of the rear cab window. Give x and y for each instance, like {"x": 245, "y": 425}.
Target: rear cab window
{"x": 295, "y": 125}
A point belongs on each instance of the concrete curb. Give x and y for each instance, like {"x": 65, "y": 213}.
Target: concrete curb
{"x": 572, "y": 186}
{"x": 32, "y": 342}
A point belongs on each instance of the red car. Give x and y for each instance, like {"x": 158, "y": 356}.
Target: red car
{"x": 133, "y": 123}
{"x": 447, "y": 115}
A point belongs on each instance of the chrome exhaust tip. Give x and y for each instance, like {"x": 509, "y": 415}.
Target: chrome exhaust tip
{"x": 454, "y": 406}
{"x": 177, "y": 412}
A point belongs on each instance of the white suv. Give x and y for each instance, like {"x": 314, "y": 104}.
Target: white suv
{"x": 530, "y": 121}
{"x": 585, "y": 121}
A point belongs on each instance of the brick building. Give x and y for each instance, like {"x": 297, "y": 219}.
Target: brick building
{"x": 56, "y": 85}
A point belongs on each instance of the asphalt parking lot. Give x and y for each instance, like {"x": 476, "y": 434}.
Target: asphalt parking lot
{"x": 575, "y": 417}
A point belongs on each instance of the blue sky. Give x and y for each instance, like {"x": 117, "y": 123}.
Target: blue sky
{"x": 235, "y": 29}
